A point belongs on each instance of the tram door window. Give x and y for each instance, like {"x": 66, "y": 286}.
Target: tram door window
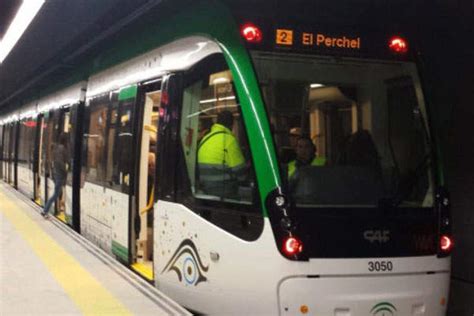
{"x": 108, "y": 138}
{"x": 1, "y": 151}
{"x": 220, "y": 183}
{"x": 9, "y": 153}
{"x": 64, "y": 202}
{"x": 6, "y": 135}
{"x": 6, "y": 153}
{"x": 13, "y": 153}
{"x": 39, "y": 176}
{"x": 26, "y": 154}
{"x": 51, "y": 130}
{"x": 122, "y": 158}
{"x": 94, "y": 140}
{"x": 146, "y": 188}
{"x": 67, "y": 130}
{"x": 52, "y": 127}
{"x": 6, "y": 156}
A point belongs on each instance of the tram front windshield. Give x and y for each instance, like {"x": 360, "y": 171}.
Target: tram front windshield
{"x": 348, "y": 132}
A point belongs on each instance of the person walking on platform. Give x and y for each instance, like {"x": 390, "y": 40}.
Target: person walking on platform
{"x": 61, "y": 160}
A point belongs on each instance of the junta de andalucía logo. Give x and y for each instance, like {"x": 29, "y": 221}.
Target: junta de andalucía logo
{"x": 383, "y": 309}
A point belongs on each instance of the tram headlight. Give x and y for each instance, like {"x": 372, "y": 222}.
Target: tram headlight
{"x": 280, "y": 200}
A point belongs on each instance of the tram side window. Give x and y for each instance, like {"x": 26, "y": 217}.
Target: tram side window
{"x": 1, "y": 150}
{"x": 52, "y": 126}
{"x": 68, "y": 130}
{"x": 6, "y": 143}
{"x": 110, "y": 143}
{"x": 14, "y": 143}
{"x": 221, "y": 183}
{"x": 94, "y": 140}
{"x": 119, "y": 144}
{"x": 26, "y": 145}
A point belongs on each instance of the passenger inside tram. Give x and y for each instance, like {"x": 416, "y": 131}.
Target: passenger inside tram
{"x": 306, "y": 155}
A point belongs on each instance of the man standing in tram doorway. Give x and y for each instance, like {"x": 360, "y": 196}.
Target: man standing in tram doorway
{"x": 220, "y": 159}
{"x": 61, "y": 159}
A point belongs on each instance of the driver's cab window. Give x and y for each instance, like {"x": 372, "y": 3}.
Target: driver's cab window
{"x": 213, "y": 136}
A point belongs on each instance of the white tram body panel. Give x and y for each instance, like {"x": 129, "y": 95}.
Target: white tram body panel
{"x": 398, "y": 294}
{"x": 104, "y": 212}
{"x": 102, "y": 218}
{"x": 206, "y": 267}
{"x": 178, "y": 55}
{"x": 25, "y": 180}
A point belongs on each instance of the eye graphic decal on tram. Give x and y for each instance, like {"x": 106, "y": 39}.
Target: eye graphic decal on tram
{"x": 383, "y": 309}
{"x": 187, "y": 264}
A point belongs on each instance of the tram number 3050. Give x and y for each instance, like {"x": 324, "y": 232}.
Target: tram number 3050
{"x": 377, "y": 266}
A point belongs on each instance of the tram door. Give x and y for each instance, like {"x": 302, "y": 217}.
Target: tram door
{"x": 6, "y": 153}
{"x": 39, "y": 174}
{"x": 5, "y": 139}
{"x": 12, "y": 177}
{"x": 64, "y": 202}
{"x": 50, "y": 134}
{"x": 1, "y": 152}
{"x": 143, "y": 217}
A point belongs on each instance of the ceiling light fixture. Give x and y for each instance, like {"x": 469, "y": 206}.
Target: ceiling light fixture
{"x": 24, "y": 16}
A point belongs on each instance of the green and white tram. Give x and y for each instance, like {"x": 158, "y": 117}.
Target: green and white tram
{"x": 362, "y": 229}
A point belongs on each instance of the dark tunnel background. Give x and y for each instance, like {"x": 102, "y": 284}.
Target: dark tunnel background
{"x": 446, "y": 35}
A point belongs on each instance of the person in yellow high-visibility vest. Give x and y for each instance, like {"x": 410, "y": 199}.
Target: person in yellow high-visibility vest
{"x": 305, "y": 156}
{"x": 220, "y": 160}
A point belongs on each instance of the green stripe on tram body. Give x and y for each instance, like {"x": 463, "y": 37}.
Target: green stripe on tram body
{"x": 128, "y": 92}
{"x": 120, "y": 251}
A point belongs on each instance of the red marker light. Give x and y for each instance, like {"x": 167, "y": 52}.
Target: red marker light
{"x": 398, "y": 45}
{"x": 164, "y": 98}
{"x": 30, "y": 123}
{"x": 162, "y": 112}
{"x": 251, "y": 33}
{"x": 292, "y": 246}
{"x": 445, "y": 243}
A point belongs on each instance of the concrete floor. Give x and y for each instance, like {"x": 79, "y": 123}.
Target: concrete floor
{"x": 55, "y": 271}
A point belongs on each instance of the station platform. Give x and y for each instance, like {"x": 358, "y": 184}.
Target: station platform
{"x": 48, "y": 269}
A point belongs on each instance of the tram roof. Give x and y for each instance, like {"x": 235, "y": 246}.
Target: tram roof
{"x": 65, "y": 33}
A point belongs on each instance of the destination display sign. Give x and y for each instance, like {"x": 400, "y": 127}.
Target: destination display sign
{"x": 327, "y": 40}
{"x": 309, "y": 40}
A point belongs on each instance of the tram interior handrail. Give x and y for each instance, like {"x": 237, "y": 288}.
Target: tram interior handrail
{"x": 150, "y": 202}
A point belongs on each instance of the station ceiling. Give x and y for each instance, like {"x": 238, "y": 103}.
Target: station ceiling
{"x": 65, "y": 31}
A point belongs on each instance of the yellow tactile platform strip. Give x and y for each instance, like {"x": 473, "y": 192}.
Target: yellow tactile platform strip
{"x": 88, "y": 294}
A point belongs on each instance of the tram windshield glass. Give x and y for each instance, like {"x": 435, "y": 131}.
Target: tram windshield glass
{"x": 348, "y": 132}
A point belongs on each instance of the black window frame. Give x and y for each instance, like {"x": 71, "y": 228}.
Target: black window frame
{"x": 99, "y": 100}
{"x": 245, "y": 221}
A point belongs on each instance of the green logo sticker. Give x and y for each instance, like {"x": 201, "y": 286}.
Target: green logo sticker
{"x": 383, "y": 309}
